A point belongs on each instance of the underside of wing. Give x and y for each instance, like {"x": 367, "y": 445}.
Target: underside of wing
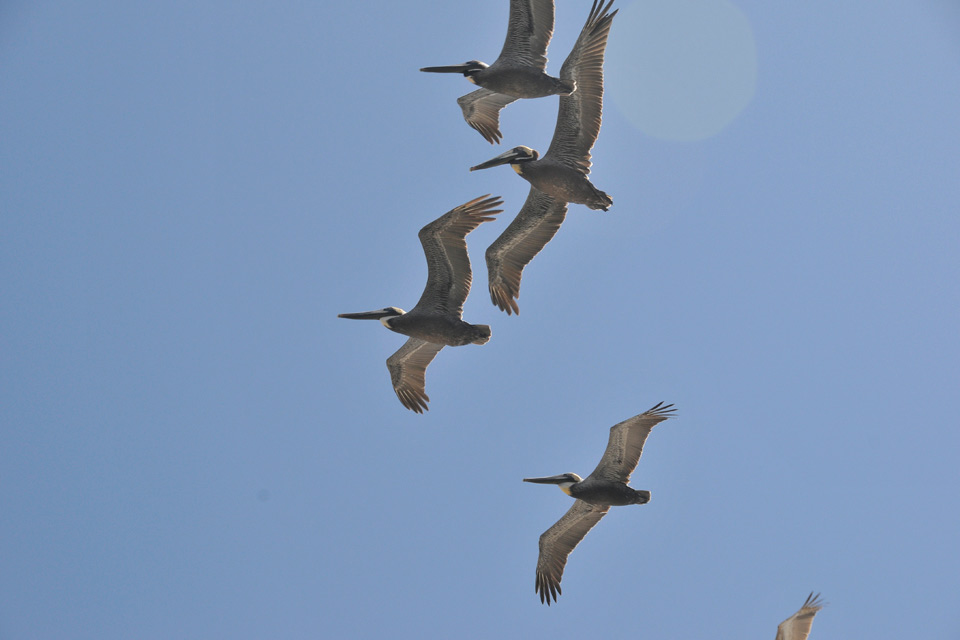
{"x": 408, "y": 367}
{"x": 625, "y": 445}
{"x": 445, "y": 247}
{"x": 797, "y": 626}
{"x": 481, "y": 110}
{"x": 580, "y": 113}
{"x": 558, "y": 541}
{"x": 535, "y": 225}
{"x": 528, "y": 33}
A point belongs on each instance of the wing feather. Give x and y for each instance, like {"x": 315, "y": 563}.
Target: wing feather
{"x": 535, "y": 225}
{"x": 797, "y": 626}
{"x": 625, "y": 445}
{"x": 481, "y": 110}
{"x": 580, "y": 113}
{"x": 528, "y": 33}
{"x": 408, "y": 368}
{"x": 448, "y": 265}
{"x": 558, "y": 541}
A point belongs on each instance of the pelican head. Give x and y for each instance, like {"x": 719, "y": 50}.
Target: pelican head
{"x": 468, "y": 69}
{"x": 564, "y": 481}
{"x": 383, "y": 315}
{"x": 514, "y": 157}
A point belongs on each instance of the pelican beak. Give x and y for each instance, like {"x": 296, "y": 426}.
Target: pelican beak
{"x": 503, "y": 158}
{"x": 549, "y": 479}
{"x": 366, "y": 315}
{"x": 456, "y": 68}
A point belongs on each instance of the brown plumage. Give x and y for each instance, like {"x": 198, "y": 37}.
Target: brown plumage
{"x": 436, "y": 320}
{"x": 518, "y": 72}
{"x": 797, "y": 626}
{"x": 605, "y": 487}
{"x": 560, "y": 176}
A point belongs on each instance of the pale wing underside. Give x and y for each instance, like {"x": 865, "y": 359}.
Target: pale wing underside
{"x": 481, "y": 110}
{"x": 535, "y": 225}
{"x": 626, "y": 444}
{"x": 528, "y": 33}
{"x": 408, "y": 366}
{"x": 448, "y": 265}
{"x": 797, "y": 626}
{"x": 579, "y": 116}
{"x": 558, "y": 541}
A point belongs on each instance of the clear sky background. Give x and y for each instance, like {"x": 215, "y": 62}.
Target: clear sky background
{"x": 193, "y": 445}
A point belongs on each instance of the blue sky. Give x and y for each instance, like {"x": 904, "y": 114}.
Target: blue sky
{"x": 194, "y": 446}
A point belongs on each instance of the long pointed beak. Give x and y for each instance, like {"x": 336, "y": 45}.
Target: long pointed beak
{"x": 456, "y": 68}
{"x": 365, "y": 315}
{"x": 503, "y": 158}
{"x": 548, "y": 480}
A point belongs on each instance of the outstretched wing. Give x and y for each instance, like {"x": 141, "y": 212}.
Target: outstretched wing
{"x": 536, "y": 224}
{"x": 448, "y": 265}
{"x": 626, "y": 444}
{"x": 579, "y": 116}
{"x": 528, "y": 33}
{"x": 558, "y": 541}
{"x": 797, "y": 626}
{"x": 481, "y": 110}
{"x": 408, "y": 366}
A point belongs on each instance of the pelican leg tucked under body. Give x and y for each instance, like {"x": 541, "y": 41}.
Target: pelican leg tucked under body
{"x": 560, "y": 176}
{"x": 518, "y": 72}
{"x": 436, "y": 320}
{"x": 605, "y": 487}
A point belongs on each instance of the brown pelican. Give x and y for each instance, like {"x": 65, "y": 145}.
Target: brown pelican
{"x": 560, "y": 176}
{"x": 797, "y": 626}
{"x": 436, "y": 321}
{"x": 605, "y": 487}
{"x": 517, "y": 73}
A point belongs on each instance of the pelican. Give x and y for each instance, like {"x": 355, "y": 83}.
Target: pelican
{"x": 560, "y": 176}
{"x": 605, "y": 487}
{"x": 797, "y": 626}
{"x": 519, "y": 71}
{"x": 436, "y": 320}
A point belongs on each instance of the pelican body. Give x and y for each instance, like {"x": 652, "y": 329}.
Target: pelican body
{"x": 552, "y": 176}
{"x": 430, "y": 327}
{"x": 436, "y": 320}
{"x": 518, "y": 72}
{"x": 604, "y": 488}
{"x": 560, "y": 176}
{"x": 595, "y": 491}
{"x": 509, "y": 77}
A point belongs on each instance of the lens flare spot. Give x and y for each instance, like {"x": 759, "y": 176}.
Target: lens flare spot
{"x": 683, "y": 69}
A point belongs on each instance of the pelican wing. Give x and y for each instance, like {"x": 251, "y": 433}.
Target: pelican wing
{"x": 578, "y": 120}
{"x": 797, "y": 626}
{"x": 528, "y": 33}
{"x": 481, "y": 110}
{"x": 536, "y": 224}
{"x": 626, "y": 444}
{"x": 408, "y": 366}
{"x": 448, "y": 265}
{"x": 558, "y": 541}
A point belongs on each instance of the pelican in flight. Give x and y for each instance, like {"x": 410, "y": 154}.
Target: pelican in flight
{"x": 605, "y": 487}
{"x": 436, "y": 320}
{"x": 519, "y": 71}
{"x": 560, "y": 176}
{"x": 797, "y": 626}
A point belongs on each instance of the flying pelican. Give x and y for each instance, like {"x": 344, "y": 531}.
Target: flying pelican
{"x": 605, "y": 487}
{"x": 797, "y": 626}
{"x": 436, "y": 320}
{"x": 519, "y": 71}
{"x": 560, "y": 176}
